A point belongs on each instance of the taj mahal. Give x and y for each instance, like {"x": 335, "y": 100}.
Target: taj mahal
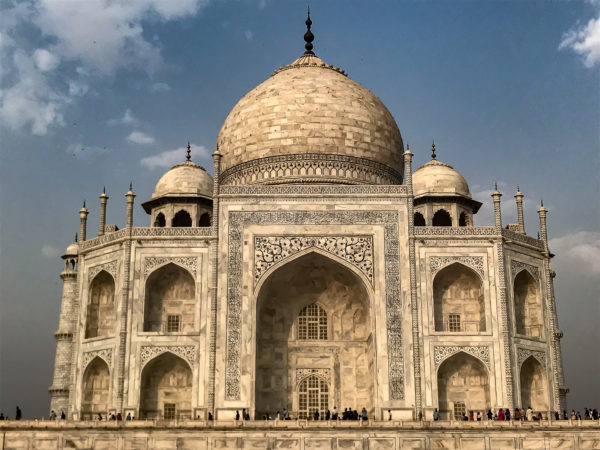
{"x": 316, "y": 268}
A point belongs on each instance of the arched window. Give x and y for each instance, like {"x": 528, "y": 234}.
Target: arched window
{"x": 182, "y": 219}
{"x": 312, "y": 323}
{"x": 170, "y": 300}
{"x": 463, "y": 386}
{"x": 533, "y": 385}
{"x": 313, "y": 395}
{"x": 96, "y": 385}
{"x": 458, "y": 300}
{"x": 204, "y": 220}
{"x": 528, "y": 306}
{"x": 442, "y": 219}
{"x": 100, "y": 319}
{"x": 419, "y": 220}
{"x": 463, "y": 220}
{"x": 166, "y": 389}
{"x": 160, "y": 220}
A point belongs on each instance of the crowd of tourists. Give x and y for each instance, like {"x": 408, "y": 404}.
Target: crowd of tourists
{"x": 520, "y": 414}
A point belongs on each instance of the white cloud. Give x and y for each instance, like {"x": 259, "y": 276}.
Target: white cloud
{"x": 160, "y": 87}
{"x": 139, "y": 137}
{"x": 99, "y": 36}
{"x": 127, "y": 119}
{"x": 585, "y": 39}
{"x": 249, "y": 35}
{"x": 170, "y": 158}
{"x": 578, "y": 251}
{"x": 49, "y": 251}
{"x": 45, "y": 60}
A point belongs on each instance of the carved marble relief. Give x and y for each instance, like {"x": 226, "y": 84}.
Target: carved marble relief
{"x": 105, "y": 354}
{"x": 437, "y": 263}
{"x": 443, "y": 352}
{"x": 301, "y": 374}
{"x": 149, "y": 352}
{"x": 517, "y": 266}
{"x": 388, "y": 219}
{"x": 110, "y": 267}
{"x": 524, "y": 353}
{"x": 357, "y": 250}
{"x": 152, "y": 262}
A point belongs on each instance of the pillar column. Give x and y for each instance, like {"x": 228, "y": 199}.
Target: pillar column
{"x": 83, "y": 213}
{"x": 103, "y": 200}
{"x": 497, "y": 212}
{"x": 519, "y": 200}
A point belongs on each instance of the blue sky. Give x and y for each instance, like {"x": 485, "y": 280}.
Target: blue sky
{"x": 97, "y": 93}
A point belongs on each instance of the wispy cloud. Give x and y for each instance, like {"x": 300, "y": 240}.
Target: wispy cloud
{"x": 139, "y": 137}
{"x": 50, "y": 251}
{"x": 160, "y": 88}
{"x": 99, "y": 36}
{"x": 579, "y": 251}
{"x": 170, "y": 158}
{"x": 127, "y": 119}
{"x": 249, "y": 35}
{"x": 585, "y": 39}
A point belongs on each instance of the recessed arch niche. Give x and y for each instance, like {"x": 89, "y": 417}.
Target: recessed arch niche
{"x": 528, "y": 306}
{"x": 166, "y": 388}
{"x": 95, "y": 389}
{"x": 341, "y": 299}
{"x": 534, "y": 391}
{"x": 100, "y": 315}
{"x": 170, "y": 291}
{"x": 458, "y": 300}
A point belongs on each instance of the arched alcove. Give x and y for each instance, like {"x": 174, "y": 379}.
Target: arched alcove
{"x": 166, "y": 389}
{"x": 313, "y": 313}
{"x": 463, "y": 219}
{"x": 458, "y": 301}
{"x": 100, "y": 317}
{"x": 313, "y": 395}
{"x": 170, "y": 300}
{"x": 95, "y": 389}
{"x": 182, "y": 219}
{"x": 534, "y": 391}
{"x": 160, "y": 220}
{"x": 528, "y": 306}
{"x": 204, "y": 220}
{"x": 441, "y": 218}
{"x": 463, "y": 385}
{"x": 419, "y": 220}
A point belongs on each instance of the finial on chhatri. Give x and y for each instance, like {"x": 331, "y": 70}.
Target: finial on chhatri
{"x": 308, "y": 36}
{"x": 84, "y": 204}
{"x": 75, "y": 237}
{"x": 130, "y": 185}
{"x": 104, "y": 189}
{"x": 433, "y": 156}
{"x": 407, "y": 147}
{"x": 495, "y": 185}
{"x": 188, "y": 157}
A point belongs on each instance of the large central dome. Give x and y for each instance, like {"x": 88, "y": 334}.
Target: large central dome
{"x": 309, "y": 123}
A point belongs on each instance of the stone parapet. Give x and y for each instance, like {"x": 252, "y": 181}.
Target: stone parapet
{"x": 303, "y": 434}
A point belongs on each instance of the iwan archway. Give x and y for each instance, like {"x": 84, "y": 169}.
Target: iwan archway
{"x": 315, "y": 344}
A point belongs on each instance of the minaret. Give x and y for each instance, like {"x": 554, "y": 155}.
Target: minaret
{"x": 59, "y": 391}
{"x": 103, "y": 200}
{"x": 519, "y": 200}
{"x": 83, "y": 213}
{"x": 497, "y": 213}
{"x": 558, "y": 383}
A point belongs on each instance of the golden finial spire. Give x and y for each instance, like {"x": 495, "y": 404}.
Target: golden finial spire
{"x": 433, "y": 150}
{"x": 188, "y": 157}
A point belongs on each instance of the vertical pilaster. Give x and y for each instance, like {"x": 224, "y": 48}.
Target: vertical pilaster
{"x": 130, "y": 196}
{"x": 559, "y": 397}
{"x": 59, "y": 391}
{"x": 213, "y": 282}
{"x": 519, "y": 201}
{"x": 504, "y": 315}
{"x": 414, "y": 306}
{"x": 83, "y": 213}
{"x": 103, "y": 200}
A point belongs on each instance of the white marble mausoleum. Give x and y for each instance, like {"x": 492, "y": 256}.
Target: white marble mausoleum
{"x": 314, "y": 269}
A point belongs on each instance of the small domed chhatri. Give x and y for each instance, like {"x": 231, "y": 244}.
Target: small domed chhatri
{"x": 310, "y": 123}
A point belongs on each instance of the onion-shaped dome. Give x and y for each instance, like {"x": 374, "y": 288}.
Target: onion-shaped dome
{"x": 184, "y": 180}
{"x": 72, "y": 250}
{"x": 439, "y": 179}
{"x": 309, "y": 122}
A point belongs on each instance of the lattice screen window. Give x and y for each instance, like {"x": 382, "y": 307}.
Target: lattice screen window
{"x": 459, "y": 409}
{"x": 453, "y": 322}
{"x": 169, "y": 411}
{"x": 313, "y": 395}
{"x": 173, "y": 323}
{"x": 312, "y": 323}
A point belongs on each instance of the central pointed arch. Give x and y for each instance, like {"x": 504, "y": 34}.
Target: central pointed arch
{"x": 313, "y": 313}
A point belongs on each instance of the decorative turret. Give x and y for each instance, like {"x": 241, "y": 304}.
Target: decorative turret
{"x": 497, "y": 212}
{"x": 103, "y": 200}
{"x": 83, "y": 213}
{"x": 130, "y": 196}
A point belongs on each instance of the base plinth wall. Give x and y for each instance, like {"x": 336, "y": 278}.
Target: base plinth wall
{"x": 302, "y": 435}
